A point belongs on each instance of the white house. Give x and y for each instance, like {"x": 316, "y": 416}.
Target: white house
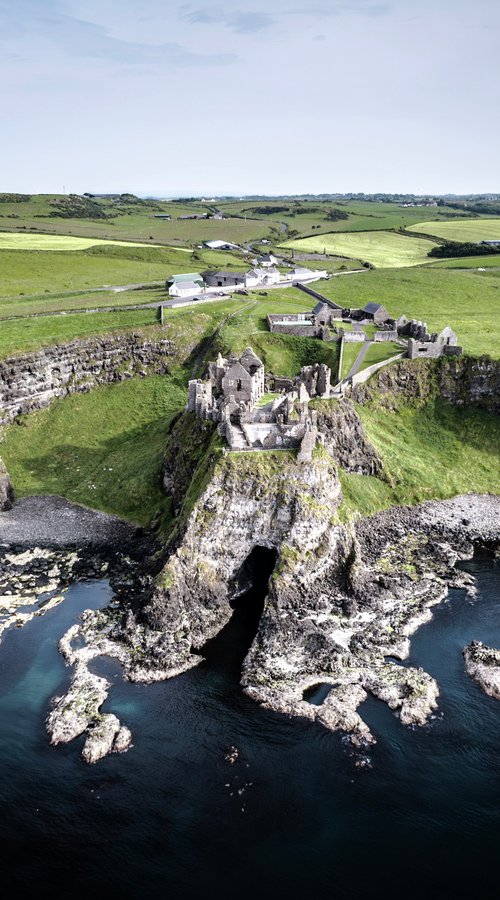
{"x": 184, "y": 289}
{"x": 261, "y": 277}
{"x": 266, "y": 261}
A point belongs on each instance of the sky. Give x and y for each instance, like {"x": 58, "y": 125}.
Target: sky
{"x": 249, "y": 96}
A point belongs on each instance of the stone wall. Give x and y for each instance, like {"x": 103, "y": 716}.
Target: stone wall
{"x": 33, "y": 381}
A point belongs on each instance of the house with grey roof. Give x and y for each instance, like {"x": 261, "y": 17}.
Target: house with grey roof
{"x": 376, "y": 312}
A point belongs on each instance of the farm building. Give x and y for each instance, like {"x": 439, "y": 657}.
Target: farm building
{"x": 265, "y": 261}
{"x": 185, "y": 284}
{"x": 376, "y": 312}
{"x": 223, "y": 279}
{"x": 221, "y": 245}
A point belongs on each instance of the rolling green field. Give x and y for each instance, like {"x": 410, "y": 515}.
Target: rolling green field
{"x": 430, "y": 450}
{"x": 475, "y": 230}
{"x": 57, "y": 242}
{"x": 469, "y": 262}
{"x": 467, "y": 300}
{"x": 35, "y": 272}
{"x": 381, "y": 248}
{"x": 21, "y": 335}
{"x": 103, "y": 449}
{"x": 134, "y": 219}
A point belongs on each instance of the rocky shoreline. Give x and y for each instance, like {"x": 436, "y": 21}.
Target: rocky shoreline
{"x": 353, "y": 639}
{"x": 47, "y": 543}
{"x": 339, "y": 614}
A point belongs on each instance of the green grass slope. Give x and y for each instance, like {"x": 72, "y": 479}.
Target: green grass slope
{"x": 430, "y": 451}
{"x": 103, "y": 449}
{"x": 34, "y": 272}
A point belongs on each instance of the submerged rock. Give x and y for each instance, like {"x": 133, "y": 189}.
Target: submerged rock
{"x": 483, "y": 665}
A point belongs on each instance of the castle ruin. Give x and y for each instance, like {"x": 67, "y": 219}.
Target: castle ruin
{"x": 234, "y": 396}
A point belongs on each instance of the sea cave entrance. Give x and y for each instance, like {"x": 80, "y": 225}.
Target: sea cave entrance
{"x": 228, "y": 649}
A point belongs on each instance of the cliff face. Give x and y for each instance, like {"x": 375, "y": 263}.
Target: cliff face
{"x": 251, "y": 500}
{"x": 6, "y": 489}
{"x": 462, "y": 380}
{"x": 30, "y": 382}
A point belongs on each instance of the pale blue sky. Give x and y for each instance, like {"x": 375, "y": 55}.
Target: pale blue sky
{"x": 257, "y": 96}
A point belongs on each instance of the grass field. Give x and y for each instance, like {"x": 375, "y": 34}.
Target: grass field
{"x": 433, "y": 450}
{"x": 103, "y": 449}
{"x": 381, "y": 248}
{"x": 34, "y": 272}
{"x": 55, "y": 303}
{"x": 467, "y": 300}
{"x": 475, "y": 230}
{"x": 469, "y": 262}
{"x": 58, "y": 242}
{"x": 20, "y": 335}
{"x": 135, "y": 220}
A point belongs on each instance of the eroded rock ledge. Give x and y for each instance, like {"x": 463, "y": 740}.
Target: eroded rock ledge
{"x": 33, "y": 381}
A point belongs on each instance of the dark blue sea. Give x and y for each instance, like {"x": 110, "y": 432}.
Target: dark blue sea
{"x": 293, "y": 817}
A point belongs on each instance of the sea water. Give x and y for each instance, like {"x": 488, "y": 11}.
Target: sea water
{"x": 292, "y": 817}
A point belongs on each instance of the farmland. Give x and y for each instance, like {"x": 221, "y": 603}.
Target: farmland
{"x": 475, "y": 230}
{"x": 381, "y": 248}
{"x": 35, "y": 272}
{"x": 133, "y": 219}
{"x": 13, "y": 241}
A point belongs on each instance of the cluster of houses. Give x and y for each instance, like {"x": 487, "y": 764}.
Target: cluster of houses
{"x": 330, "y": 322}
{"x": 234, "y": 397}
{"x": 195, "y": 285}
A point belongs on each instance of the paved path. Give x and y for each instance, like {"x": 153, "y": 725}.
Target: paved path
{"x": 359, "y": 359}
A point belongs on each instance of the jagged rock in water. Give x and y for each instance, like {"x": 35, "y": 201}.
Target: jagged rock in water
{"x": 105, "y": 735}
{"x": 6, "y": 489}
{"x": 483, "y": 665}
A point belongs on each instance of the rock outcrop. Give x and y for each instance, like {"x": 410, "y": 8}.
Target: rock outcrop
{"x": 32, "y": 381}
{"x": 462, "y": 380}
{"x": 6, "y": 489}
{"x": 483, "y": 665}
{"x": 345, "y": 438}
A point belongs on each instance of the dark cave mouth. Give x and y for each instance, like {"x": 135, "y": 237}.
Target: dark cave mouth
{"x": 227, "y": 650}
